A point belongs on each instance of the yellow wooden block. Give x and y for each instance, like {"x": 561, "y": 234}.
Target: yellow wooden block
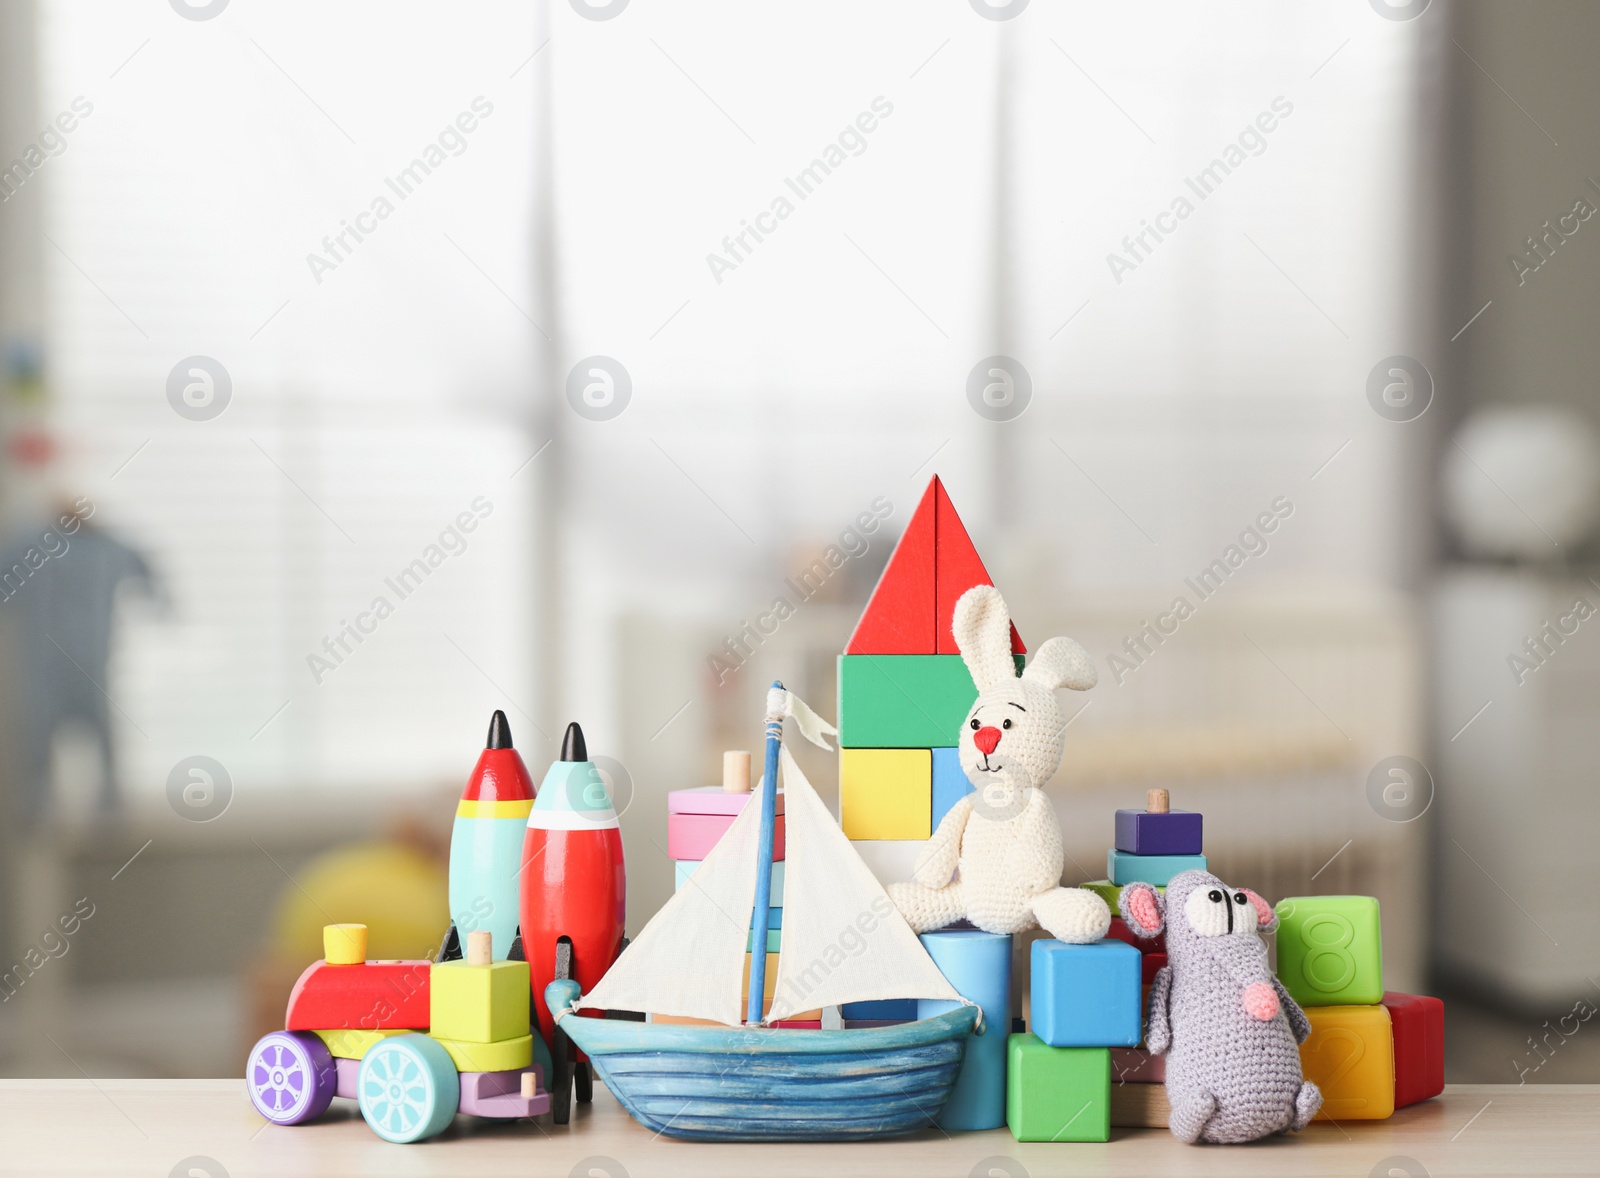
{"x": 353, "y": 1042}
{"x": 344, "y": 944}
{"x": 501, "y": 1056}
{"x": 478, "y": 1003}
{"x": 1350, "y": 1056}
{"x": 886, "y": 793}
{"x": 770, "y": 982}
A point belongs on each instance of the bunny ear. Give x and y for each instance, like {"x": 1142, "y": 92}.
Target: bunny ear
{"x": 1061, "y": 662}
{"x": 982, "y": 629}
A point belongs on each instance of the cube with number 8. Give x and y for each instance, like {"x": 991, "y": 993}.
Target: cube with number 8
{"x": 1330, "y": 950}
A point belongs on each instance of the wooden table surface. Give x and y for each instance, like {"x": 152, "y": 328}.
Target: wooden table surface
{"x": 147, "y": 1127}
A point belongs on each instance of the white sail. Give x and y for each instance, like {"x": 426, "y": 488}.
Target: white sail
{"x": 843, "y": 939}
{"x": 689, "y": 960}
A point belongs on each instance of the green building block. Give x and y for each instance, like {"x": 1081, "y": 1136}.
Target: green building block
{"x": 1109, "y": 892}
{"x": 1330, "y": 950}
{"x": 1057, "y": 1093}
{"x": 479, "y": 1003}
{"x": 903, "y": 701}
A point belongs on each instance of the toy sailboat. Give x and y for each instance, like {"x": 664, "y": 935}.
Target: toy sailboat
{"x": 843, "y": 941}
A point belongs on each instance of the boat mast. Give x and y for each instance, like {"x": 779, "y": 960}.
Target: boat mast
{"x": 764, "y": 852}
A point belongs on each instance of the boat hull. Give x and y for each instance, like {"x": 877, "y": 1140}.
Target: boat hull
{"x": 726, "y": 1084}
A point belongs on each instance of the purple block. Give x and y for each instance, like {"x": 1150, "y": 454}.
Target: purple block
{"x": 1142, "y": 833}
{"x": 499, "y": 1094}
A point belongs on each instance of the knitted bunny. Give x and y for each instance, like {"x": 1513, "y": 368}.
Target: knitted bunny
{"x": 1227, "y": 1027}
{"x": 1004, "y": 837}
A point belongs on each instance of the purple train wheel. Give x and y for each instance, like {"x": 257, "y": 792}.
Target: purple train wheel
{"x": 290, "y": 1077}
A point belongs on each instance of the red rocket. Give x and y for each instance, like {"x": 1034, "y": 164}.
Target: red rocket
{"x": 573, "y": 878}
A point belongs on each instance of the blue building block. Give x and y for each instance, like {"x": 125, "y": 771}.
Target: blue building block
{"x": 1123, "y": 868}
{"x": 886, "y": 1010}
{"x": 1176, "y": 832}
{"x": 682, "y": 869}
{"x": 978, "y": 965}
{"x": 950, "y": 783}
{"x": 1086, "y": 995}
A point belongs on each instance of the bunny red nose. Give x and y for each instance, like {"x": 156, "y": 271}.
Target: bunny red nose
{"x": 987, "y": 740}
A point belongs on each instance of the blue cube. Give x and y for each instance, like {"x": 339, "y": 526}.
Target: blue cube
{"x": 1123, "y": 868}
{"x": 1086, "y": 995}
{"x": 883, "y": 1010}
{"x": 950, "y": 782}
{"x": 1176, "y": 832}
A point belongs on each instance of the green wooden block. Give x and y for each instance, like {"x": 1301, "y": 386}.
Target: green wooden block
{"x": 1330, "y": 950}
{"x": 1057, "y": 1093}
{"x": 1109, "y": 892}
{"x": 903, "y": 701}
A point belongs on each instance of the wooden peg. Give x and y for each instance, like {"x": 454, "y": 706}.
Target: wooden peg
{"x": 344, "y": 944}
{"x": 480, "y": 947}
{"x": 736, "y": 771}
{"x": 530, "y": 1085}
{"x": 1157, "y": 801}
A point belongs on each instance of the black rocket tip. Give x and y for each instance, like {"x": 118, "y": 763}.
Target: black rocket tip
{"x": 573, "y": 746}
{"x": 499, "y": 732}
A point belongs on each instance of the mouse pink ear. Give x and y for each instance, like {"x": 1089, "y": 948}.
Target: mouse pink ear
{"x": 1144, "y": 908}
{"x": 1266, "y": 917}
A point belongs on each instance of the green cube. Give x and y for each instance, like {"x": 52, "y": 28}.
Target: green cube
{"x": 1057, "y": 1093}
{"x": 1330, "y": 950}
{"x": 479, "y": 1003}
{"x": 1110, "y": 892}
{"x": 904, "y": 701}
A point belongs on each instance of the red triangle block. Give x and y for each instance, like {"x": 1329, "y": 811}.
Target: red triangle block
{"x": 899, "y": 618}
{"x": 957, "y": 568}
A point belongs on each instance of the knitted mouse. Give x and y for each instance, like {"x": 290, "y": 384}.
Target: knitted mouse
{"x": 1227, "y": 1027}
{"x": 1004, "y": 836}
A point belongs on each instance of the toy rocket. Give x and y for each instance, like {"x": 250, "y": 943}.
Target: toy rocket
{"x": 573, "y": 879}
{"x": 486, "y": 845}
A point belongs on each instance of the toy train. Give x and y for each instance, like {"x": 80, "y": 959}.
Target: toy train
{"x": 415, "y": 1042}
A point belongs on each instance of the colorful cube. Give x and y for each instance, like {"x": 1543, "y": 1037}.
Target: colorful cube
{"x": 1121, "y": 932}
{"x": 950, "y": 782}
{"x": 1330, "y": 950}
{"x": 683, "y": 870}
{"x": 1057, "y": 1093}
{"x": 1151, "y": 964}
{"x": 1175, "y": 832}
{"x": 1350, "y": 1056}
{"x": 903, "y": 700}
{"x": 1135, "y": 1065}
{"x": 1110, "y": 893}
{"x": 885, "y": 793}
{"x": 1123, "y": 868}
{"x": 479, "y": 1003}
{"x": 1417, "y": 1024}
{"x": 690, "y": 837}
{"x": 1086, "y": 995}
{"x": 887, "y": 1010}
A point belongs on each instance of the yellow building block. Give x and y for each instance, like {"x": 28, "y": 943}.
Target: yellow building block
{"x": 479, "y": 1003}
{"x": 886, "y": 793}
{"x": 353, "y": 1042}
{"x": 500, "y": 1056}
{"x": 1350, "y": 1056}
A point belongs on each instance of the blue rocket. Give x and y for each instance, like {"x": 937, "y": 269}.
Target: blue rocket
{"x": 486, "y": 846}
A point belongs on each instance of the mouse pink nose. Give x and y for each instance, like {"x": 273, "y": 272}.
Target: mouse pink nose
{"x": 987, "y": 740}
{"x": 1260, "y": 1001}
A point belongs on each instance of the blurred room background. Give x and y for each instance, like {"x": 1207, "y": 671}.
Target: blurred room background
{"x": 303, "y": 307}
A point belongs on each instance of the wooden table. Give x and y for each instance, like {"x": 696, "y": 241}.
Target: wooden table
{"x": 146, "y": 1127}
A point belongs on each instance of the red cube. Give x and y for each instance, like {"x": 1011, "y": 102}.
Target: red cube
{"x": 1120, "y": 931}
{"x": 1418, "y": 1024}
{"x": 1149, "y": 965}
